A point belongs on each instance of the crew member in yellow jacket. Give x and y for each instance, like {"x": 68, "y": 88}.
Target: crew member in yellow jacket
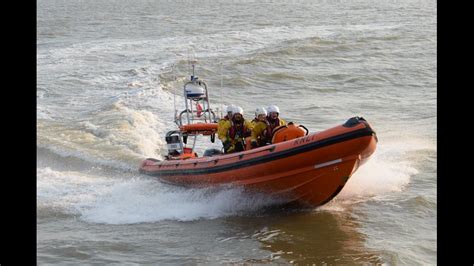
{"x": 274, "y": 120}
{"x": 259, "y": 123}
{"x": 224, "y": 124}
{"x": 238, "y": 133}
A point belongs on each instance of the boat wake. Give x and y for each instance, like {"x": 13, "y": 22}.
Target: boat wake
{"x": 137, "y": 199}
{"x": 389, "y": 171}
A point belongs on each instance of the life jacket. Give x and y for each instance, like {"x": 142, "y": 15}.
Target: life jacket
{"x": 259, "y": 130}
{"x": 272, "y": 124}
{"x": 223, "y": 128}
{"x": 238, "y": 131}
{"x": 254, "y": 121}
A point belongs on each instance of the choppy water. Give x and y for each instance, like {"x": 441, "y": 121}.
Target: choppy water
{"x": 105, "y": 101}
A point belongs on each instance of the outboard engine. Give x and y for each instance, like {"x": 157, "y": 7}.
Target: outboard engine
{"x": 173, "y": 143}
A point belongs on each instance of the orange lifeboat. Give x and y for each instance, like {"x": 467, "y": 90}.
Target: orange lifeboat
{"x": 308, "y": 169}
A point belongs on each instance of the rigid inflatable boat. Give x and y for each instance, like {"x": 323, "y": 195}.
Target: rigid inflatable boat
{"x": 298, "y": 166}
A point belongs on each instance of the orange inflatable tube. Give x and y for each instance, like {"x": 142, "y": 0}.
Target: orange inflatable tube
{"x": 288, "y": 132}
{"x": 199, "y": 128}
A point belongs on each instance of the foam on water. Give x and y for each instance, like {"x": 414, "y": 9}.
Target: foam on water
{"x": 135, "y": 199}
{"x": 118, "y": 137}
{"x": 388, "y": 170}
{"x": 64, "y": 190}
{"x": 149, "y": 201}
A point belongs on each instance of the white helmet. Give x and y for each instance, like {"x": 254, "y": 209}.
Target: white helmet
{"x": 260, "y": 111}
{"x": 273, "y": 108}
{"x": 238, "y": 110}
{"x": 229, "y": 108}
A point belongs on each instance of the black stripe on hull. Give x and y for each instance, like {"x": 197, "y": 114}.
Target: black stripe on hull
{"x": 267, "y": 158}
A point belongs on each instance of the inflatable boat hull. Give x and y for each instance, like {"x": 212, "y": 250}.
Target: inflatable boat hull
{"x": 310, "y": 170}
